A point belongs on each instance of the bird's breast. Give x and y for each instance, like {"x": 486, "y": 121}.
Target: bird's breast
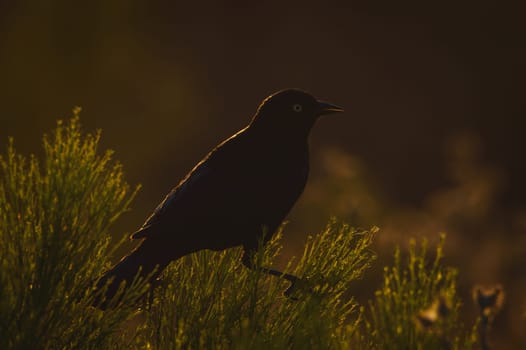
{"x": 279, "y": 179}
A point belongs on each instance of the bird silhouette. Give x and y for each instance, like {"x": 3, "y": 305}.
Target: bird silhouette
{"x": 238, "y": 195}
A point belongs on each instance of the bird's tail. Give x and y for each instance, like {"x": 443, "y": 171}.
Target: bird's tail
{"x": 144, "y": 262}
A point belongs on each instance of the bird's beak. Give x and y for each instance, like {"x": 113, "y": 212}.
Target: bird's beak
{"x": 328, "y": 108}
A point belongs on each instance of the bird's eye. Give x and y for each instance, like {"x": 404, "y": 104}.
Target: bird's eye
{"x": 297, "y": 107}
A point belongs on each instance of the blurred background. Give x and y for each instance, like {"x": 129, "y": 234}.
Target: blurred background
{"x": 431, "y": 141}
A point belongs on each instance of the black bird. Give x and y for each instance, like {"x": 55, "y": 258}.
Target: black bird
{"x": 238, "y": 194}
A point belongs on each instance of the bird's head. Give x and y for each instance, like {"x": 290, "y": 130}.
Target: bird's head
{"x": 292, "y": 110}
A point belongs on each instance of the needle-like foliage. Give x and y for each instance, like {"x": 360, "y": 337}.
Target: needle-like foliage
{"x": 54, "y": 222}
{"x": 55, "y": 216}
{"x": 211, "y": 301}
{"x": 417, "y": 306}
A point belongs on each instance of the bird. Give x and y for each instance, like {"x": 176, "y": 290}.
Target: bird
{"x": 237, "y": 195}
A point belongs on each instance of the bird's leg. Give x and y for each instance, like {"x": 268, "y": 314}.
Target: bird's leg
{"x": 289, "y": 277}
{"x": 249, "y": 263}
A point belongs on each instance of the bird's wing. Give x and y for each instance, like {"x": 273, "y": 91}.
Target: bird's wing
{"x": 172, "y": 200}
{"x": 199, "y": 193}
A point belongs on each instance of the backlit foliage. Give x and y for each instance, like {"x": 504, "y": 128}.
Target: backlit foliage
{"x": 209, "y": 300}
{"x": 54, "y": 222}
{"x": 55, "y": 219}
{"x": 417, "y": 306}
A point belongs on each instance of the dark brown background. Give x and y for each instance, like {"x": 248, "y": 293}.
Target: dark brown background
{"x": 432, "y": 138}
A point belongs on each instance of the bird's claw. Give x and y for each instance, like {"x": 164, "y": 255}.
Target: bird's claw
{"x": 296, "y": 288}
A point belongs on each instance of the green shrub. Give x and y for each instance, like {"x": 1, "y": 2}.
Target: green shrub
{"x": 54, "y": 222}
{"x": 55, "y": 217}
{"x": 211, "y": 301}
{"x": 417, "y": 307}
